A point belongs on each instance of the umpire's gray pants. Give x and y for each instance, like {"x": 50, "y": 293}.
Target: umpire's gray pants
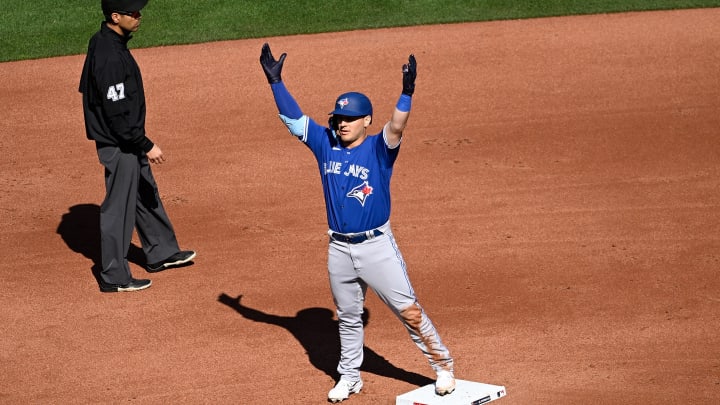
{"x": 131, "y": 200}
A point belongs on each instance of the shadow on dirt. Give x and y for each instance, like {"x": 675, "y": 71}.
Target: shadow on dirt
{"x": 80, "y": 229}
{"x": 317, "y": 331}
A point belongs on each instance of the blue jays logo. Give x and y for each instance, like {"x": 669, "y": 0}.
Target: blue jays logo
{"x": 361, "y": 192}
{"x": 342, "y": 103}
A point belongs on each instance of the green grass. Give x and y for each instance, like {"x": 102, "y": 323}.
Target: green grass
{"x": 43, "y": 28}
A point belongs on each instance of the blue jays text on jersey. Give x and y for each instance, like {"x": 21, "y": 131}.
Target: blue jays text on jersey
{"x": 356, "y": 181}
{"x": 353, "y": 170}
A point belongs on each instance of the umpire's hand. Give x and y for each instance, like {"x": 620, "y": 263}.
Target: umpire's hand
{"x": 155, "y": 155}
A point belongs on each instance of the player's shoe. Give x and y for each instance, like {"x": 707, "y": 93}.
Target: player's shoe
{"x": 445, "y": 383}
{"x": 343, "y": 389}
{"x": 179, "y": 258}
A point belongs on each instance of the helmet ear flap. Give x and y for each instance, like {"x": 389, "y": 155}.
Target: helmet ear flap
{"x": 332, "y": 123}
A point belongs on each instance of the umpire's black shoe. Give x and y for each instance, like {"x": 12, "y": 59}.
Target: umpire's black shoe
{"x": 178, "y": 259}
{"x": 133, "y": 285}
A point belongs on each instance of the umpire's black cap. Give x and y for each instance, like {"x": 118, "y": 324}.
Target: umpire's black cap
{"x": 110, "y": 6}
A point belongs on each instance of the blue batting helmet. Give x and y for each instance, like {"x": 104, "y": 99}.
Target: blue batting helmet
{"x": 352, "y": 104}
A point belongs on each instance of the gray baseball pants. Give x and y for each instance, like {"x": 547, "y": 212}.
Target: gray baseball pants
{"x": 378, "y": 264}
{"x": 131, "y": 201}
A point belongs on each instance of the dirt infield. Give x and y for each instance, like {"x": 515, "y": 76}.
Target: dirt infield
{"x": 556, "y": 198}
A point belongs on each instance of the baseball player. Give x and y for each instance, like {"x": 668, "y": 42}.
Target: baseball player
{"x": 355, "y": 169}
{"x": 114, "y": 110}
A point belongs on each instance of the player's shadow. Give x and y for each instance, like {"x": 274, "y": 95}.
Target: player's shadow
{"x": 317, "y": 331}
{"x": 80, "y": 229}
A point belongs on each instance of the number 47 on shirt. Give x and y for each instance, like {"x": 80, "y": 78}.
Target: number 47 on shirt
{"x": 116, "y": 92}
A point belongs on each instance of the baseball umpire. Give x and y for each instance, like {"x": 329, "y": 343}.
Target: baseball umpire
{"x": 355, "y": 169}
{"x": 114, "y": 110}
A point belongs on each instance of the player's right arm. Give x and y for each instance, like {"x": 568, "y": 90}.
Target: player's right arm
{"x": 286, "y": 104}
{"x": 290, "y": 112}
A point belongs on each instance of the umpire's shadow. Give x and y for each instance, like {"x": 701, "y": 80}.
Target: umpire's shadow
{"x": 80, "y": 229}
{"x": 317, "y": 331}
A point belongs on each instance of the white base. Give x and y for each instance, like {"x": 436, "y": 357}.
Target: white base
{"x": 466, "y": 393}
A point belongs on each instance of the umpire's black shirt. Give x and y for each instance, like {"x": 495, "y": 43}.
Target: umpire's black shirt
{"x": 113, "y": 94}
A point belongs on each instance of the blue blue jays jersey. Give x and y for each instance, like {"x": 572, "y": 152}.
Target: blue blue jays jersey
{"x": 356, "y": 181}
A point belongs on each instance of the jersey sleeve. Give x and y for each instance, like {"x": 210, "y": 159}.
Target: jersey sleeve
{"x": 111, "y": 82}
{"x": 387, "y": 153}
{"x": 121, "y": 102}
{"x": 308, "y": 131}
{"x": 297, "y": 126}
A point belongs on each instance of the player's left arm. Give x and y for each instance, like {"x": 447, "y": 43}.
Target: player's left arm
{"x": 394, "y": 128}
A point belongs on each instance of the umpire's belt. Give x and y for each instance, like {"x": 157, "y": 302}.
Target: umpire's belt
{"x": 355, "y": 237}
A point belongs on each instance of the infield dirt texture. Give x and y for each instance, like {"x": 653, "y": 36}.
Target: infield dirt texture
{"x": 557, "y": 200}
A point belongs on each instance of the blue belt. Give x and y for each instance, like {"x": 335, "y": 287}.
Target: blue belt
{"x": 356, "y": 237}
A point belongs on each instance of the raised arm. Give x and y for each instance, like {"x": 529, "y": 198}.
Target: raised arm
{"x": 286, "y": 104}
{"x": 394, "y": 128}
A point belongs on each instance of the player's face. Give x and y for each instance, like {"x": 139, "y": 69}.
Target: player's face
{"x": 352, "y": 130}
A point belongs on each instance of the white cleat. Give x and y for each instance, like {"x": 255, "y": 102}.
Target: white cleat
{"x": 445, "y": 383}
{"x": 343, "y": 389}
